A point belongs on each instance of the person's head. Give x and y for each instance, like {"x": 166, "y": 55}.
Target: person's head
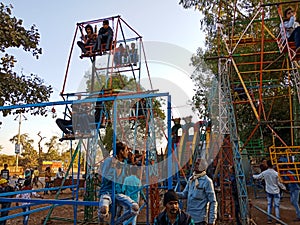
{"x": 171, "y": 202}
{"x": 105, "y": 23}
{"x": 200, "y": 165}
{"x": 121, "y": 151}
{"x": 59, "y": 169}
{"x": 288, "y": 12}
{"x": 3, "y": 182}
{"x": 269, "y": 163}
{"x": 176, "y": 120}
{"x": 35, "y": 168}
{"x": 132, "y": 45}
{"x": 89, "y": 29}
{"x": 5, "y": 166}
{"x": 47, "y": 168}
{"x": 264, "y": 162}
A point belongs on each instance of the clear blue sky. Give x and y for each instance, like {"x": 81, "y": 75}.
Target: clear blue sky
{"x": 155, "y": 20}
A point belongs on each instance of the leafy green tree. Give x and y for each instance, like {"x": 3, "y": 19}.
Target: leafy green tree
{"x": 202, "y": 78}
{"x": 53, "y": 147}
{"x": 120, "y": 83}
{"x": 233, "y": 17}
{"x": 29, "y": 155}
{"x": 19, "y": 88}
{"x": 9, "y": 159}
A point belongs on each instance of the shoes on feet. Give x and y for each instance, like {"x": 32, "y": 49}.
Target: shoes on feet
{"x": 269, "y": 221}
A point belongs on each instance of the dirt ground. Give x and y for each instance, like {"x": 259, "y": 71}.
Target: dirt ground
{"x": 287, "y": 212}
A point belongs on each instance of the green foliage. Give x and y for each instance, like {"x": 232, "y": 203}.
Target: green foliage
{"x": 19, "y": 88}
{"x": 53, "y": 149}
{"x": 119, "y": 83}
{"x": 234, "y": 17}
{"x": 8, "y": 159}
{"x": 202, "y": 78}
{"x": 29, "y": 154}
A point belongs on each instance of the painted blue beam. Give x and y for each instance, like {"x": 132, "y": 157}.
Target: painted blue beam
{"x": 12, "y": 216}
{"x": 109, "y": 98}
{"x": 51, "y": 201}
{"x": 4, "y": 194}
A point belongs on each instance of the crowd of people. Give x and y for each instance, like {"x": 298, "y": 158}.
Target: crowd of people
{"x": 199, "y": 192}
{"x": 121, "y": 179}
{"x": 274, "y": 188}
{"x": 92, "y": 43}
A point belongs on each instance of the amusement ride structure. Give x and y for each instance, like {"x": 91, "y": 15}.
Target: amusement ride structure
{"x": 257, "y": 77}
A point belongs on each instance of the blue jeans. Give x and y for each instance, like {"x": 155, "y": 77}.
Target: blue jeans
{"x": 103, "y": 39}
{"x": 295, "y": 36}
{"x": 118, "y": 58}
{"x": 26, "y": 217}
{"x": 276, "y": 199}
{"x": 121, "y": 199}
{"x": 133, "y": 57}
{"x": 134, "y": 218}
{"x": 294, "y": 200}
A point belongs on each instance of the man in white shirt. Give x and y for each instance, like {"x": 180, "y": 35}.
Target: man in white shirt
{"x": 273, "y": 186}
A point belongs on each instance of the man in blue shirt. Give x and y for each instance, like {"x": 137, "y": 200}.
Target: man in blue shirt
{"x": 200, "y": 192}
{"x": 172, "y": 215}
{"x": 113, "y": 173}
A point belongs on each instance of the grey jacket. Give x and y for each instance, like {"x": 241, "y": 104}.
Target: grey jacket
{"x": 198, "y": 199}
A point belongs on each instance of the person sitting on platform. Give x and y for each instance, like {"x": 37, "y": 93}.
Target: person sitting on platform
{"x": 79, "y": 122}
{"x": 113, "y": 173}
{"x": 88, "y": 39}
{"x": 119, "y": 54}
{"x": 133, "y": 55}
{"x": 66, "y": 126}
{"x": 105, "y": 36}
{"x": 291, "y": 27}
{"x": 172, "y": 213}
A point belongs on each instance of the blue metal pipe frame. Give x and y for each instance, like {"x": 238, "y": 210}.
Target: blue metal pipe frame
{"x": 87, "y": 203}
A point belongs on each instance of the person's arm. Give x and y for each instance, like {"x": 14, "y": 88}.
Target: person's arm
{"x": 291, "y": 22}
{"x": 280, "y": 185}
{"x": 184, "y": 193}
{"x": 109, "y": 32}
{"x": 213, "y": 205}
{"x": 258, "y": 176}
{"x": 106, "y": 165}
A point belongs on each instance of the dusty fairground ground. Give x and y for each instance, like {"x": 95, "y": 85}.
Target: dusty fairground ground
{"x": 286, "y": 209}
